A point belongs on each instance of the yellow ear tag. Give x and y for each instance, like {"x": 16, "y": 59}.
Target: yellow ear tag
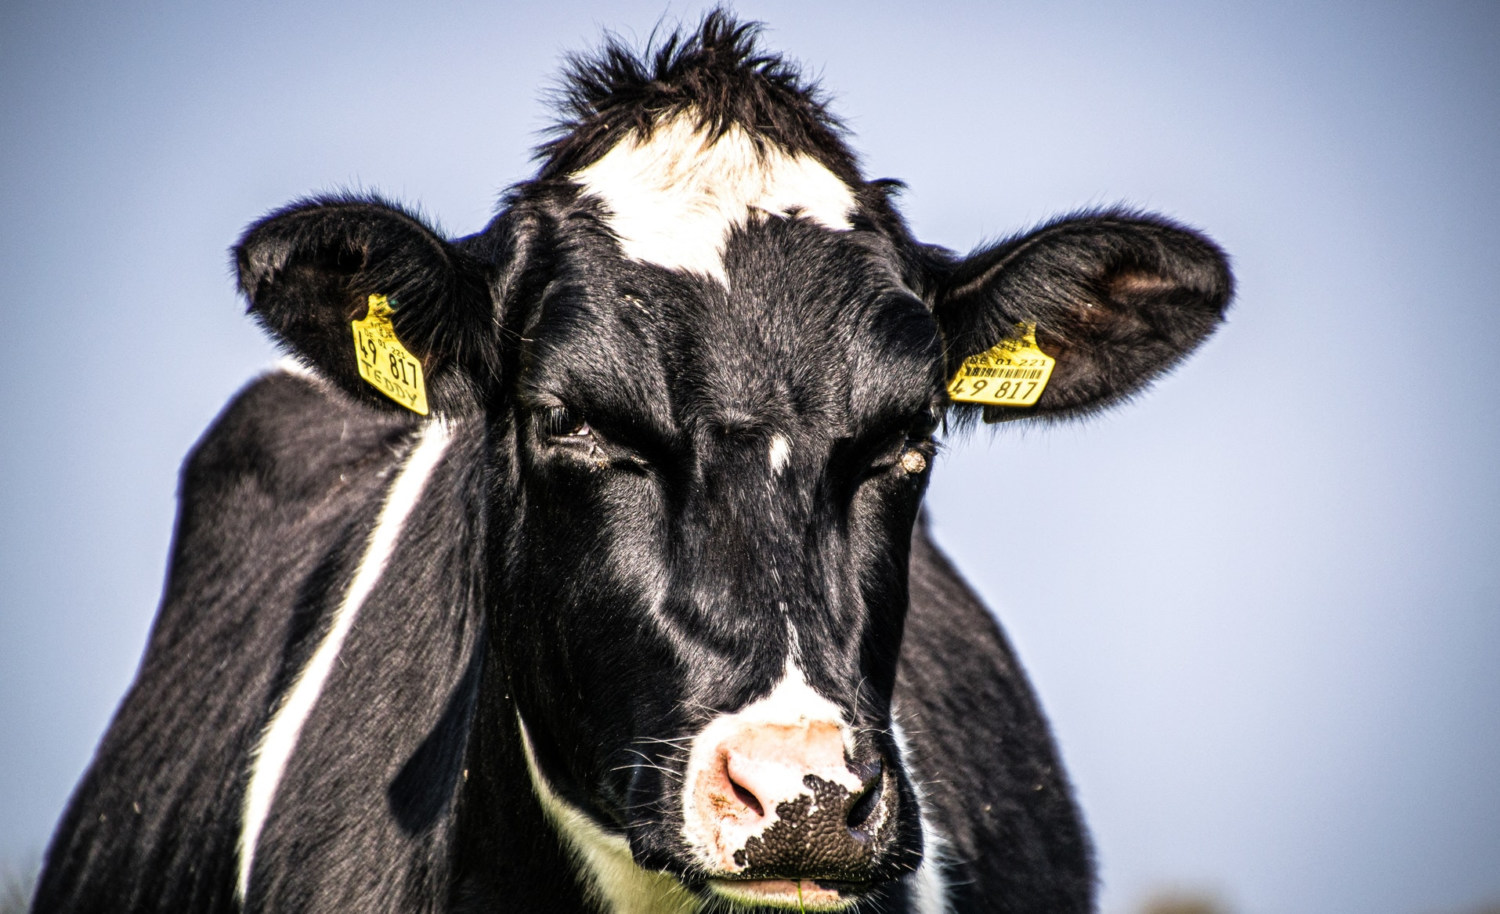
{"x": 384, "y": 362}
{"x": 1013, "y": 373}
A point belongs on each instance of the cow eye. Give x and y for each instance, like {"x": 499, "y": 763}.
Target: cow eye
{"x": 916, "y": 453}
{"x": 919, "y": 446}
{"x": 914, "y": 458}
{"x": 910, "y": 451}
{"x": 561, "y": 422}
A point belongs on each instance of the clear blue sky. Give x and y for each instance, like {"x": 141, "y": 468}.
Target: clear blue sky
{"x": 1261, "y": 603}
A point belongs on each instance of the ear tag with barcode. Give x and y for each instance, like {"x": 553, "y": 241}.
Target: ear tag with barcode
{"x": 384, "y": 362}
{"x": 1013, "y": 373}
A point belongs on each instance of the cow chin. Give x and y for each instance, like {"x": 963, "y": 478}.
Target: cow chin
{"x": 790, "y": 894}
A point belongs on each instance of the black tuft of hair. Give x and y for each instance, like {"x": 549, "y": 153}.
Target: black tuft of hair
{"x": 716, "y": 73}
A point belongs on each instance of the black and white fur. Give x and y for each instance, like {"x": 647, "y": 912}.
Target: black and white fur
{"x": 466, "y": 662}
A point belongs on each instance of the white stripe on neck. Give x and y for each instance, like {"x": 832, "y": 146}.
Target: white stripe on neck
{"x": 279, "y": 739}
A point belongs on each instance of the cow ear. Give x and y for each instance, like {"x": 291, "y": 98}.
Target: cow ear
{"x": 314, "y": 268}
{"x": 1116, "y": 299}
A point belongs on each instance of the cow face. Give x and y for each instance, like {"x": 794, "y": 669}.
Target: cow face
{"x": 718, "y": 476}
{"x": 708, "y": 365}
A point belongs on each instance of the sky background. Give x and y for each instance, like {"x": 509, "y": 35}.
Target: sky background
{"x": 1261, "y": 604}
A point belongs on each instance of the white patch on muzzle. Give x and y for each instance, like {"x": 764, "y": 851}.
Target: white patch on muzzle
{"x": 674, "y": 198}
{"x": 714, "y": 835}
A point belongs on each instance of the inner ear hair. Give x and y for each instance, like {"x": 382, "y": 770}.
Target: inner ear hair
{"x": 1135, "y": 283}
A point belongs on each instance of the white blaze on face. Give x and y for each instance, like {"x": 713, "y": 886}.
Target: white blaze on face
{"x": 780, "y": 453}
{"x": 674, "y": 198}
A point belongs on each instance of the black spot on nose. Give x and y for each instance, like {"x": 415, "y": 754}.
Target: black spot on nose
{"x": 830, "y": 834}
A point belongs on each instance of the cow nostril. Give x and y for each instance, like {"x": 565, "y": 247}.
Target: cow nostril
{"x": 864, "y": 805}
{"x": 746, "y": 798}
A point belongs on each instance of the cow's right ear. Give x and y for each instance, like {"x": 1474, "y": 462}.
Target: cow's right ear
{"x": 314, "y": 268}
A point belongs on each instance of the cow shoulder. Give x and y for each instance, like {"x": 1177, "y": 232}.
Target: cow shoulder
{"x": 269, "y": 496}
{"x": 349, "y": 802}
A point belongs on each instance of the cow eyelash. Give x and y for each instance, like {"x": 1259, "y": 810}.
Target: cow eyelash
{"x": 561, "y": 422}
{"x": 918, "y": 446}
{"x": 912, "y": 451}
{"x": 922, "y": 435}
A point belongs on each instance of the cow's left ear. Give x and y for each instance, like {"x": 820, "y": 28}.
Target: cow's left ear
{"x": 427, "y": 324}
{"x": 1117, "y": 299}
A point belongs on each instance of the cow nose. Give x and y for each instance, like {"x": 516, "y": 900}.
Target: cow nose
{"x": 784, "y": 801}
{"x": 761, "y": 783}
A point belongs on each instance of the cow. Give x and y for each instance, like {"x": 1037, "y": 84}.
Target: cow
{"x": 579, "y": 564}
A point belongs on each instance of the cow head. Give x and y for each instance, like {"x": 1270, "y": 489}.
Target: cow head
{"x": 708, "y": 361}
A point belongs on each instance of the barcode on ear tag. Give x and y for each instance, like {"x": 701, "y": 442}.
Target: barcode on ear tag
{"x": 384, "y": 362}
{"x": 1013, "y": 373}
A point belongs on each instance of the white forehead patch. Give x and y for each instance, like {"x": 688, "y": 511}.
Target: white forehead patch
{"x": 673, "y": 199}
{"x": 781, "y": 452}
